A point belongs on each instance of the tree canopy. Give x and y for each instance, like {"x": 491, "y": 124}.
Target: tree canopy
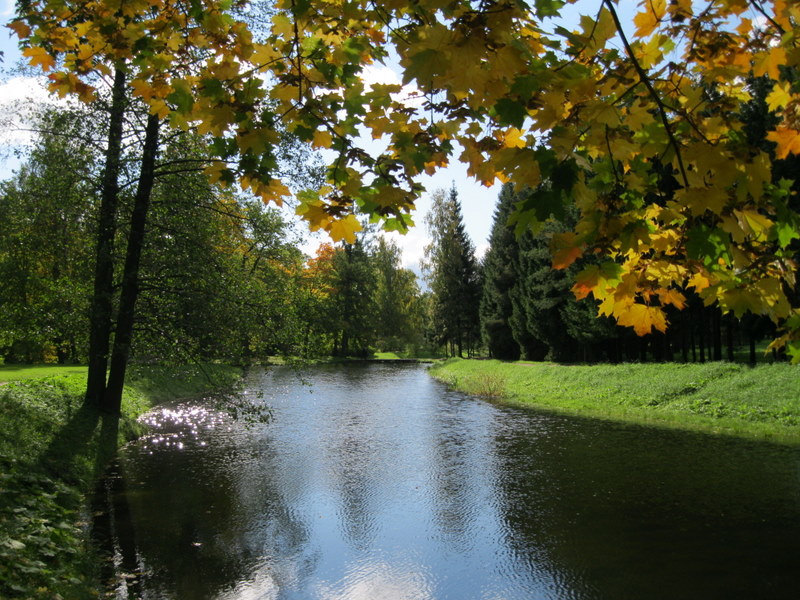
{"x": 642, "y": 127}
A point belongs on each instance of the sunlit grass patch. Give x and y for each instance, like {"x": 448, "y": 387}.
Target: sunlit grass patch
{"x": 761, "y": 402}
{"x": 22, "y": 372}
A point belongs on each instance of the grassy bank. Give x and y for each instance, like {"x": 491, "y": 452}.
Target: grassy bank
{"x": 760, "y": 403}
{"x": 52, "y": 450}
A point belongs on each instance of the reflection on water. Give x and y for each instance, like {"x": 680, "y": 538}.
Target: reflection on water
{"x": 378, "y": 483}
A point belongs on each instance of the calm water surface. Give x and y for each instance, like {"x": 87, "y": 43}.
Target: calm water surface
{"x": 376, "y": 482}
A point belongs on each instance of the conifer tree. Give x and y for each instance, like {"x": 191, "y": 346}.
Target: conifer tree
{"x": 499, "y": 277}
{"x": 453, "y": 275}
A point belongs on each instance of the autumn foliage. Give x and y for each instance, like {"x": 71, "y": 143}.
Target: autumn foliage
{"x": 638, "y": 124}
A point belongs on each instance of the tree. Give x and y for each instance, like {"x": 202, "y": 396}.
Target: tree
{"x": 452, "y": 273}
{"x": 396, "y": 295}
{"x": 499, "y": 277}
{"x": 355, "y": 299}
{"x": 591, "y": 109}
{"x": 46, "y": 212}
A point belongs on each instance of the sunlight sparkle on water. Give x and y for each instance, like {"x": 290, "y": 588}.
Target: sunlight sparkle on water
{"x": 180, "y": 425}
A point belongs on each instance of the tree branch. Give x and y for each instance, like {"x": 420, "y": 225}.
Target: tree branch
{"x": 645, "y": 79}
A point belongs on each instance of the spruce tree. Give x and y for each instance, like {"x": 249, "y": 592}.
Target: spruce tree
{"x": 499, "y": 277}
{"x": 453, "y": 275}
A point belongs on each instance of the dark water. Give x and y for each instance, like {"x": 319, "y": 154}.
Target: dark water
{"x": 379, "y": 483}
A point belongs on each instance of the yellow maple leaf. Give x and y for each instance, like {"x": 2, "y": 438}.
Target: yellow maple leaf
{"x": 160, "y": 108}
{"x": 647, "y": 20}
{"x": 344, "y": 229}
{"x": 513, "y": 138}
{"x": 38, "y": 56}
{"x": 701, "y": 199}
{"x": 768, "y": 61}
{"x": 788, "y": 141}
{"x": 315, "y": 214}
{"x": 671, "y": 296}
{"x": 744, "y": 27}
{"x": 780, "y": 96}
{"x": 20, "y": 28}
{"x": 565, "y": 249}
{"x": 322, "y": 139}
{"x": 753, "y": 223}
{"x": 741, "y": 301}
{"x": 699, "y": 282}
{"x": 274, "y": 191}
{"x": 642, "y": 318}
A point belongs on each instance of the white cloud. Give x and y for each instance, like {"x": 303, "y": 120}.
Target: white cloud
{"x": 412, "y": 245}
{"x": 408, "y": 95}
{"x": 19, "y": 98}
{"x": 7, "y": 8}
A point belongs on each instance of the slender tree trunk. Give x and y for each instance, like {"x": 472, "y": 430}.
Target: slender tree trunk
{"x": 102, "y": 297}
{"x": 729, "y": 335}
{"x": 716, "y": 325}
{"x": 112, "y": 400}
{"x": 701, "y": 322}
{"x": 684, "y": 346}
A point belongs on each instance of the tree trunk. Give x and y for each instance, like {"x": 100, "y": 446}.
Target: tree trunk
{"x": 102, "y": 297}
{"x": 716, "y": 325}
{"x": 701, "y": 322}
{"x": 112, "y": 400}
{"x": 729, "y": 336}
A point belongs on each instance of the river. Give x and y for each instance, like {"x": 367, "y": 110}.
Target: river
{"x": 377, "y": 482}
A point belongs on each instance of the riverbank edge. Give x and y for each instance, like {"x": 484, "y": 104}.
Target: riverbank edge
{"x": 53, "y": 450}
{"x": 757, "y": 403}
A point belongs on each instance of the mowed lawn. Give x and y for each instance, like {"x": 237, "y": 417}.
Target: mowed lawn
{"x": 21, "y": 372}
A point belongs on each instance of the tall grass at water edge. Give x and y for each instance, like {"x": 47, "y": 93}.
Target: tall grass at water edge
{"x": 757, "y": 402}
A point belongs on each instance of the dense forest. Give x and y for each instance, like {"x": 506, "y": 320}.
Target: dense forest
{"x": 221, "y": 275}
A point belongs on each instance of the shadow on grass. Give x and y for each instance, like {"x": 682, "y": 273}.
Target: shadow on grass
{"x": 83, "y": 454}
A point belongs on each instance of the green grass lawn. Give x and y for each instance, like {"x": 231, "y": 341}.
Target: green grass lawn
{"x": 760, "y": 402}
{"x": 20, "y": 372}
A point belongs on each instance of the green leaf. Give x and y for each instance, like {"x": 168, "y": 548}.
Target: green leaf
{"x": 707, "y": 244}
{"x": 548, "y": 8}
{"x": 511, "y": 112}
{"x": 181, "y": 97}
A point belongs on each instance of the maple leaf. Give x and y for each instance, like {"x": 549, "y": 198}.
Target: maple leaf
{"x": 596, "y": 280}
{"x": 322, "y": 139}
{"x": 651, "y": 15}
{"x": 780, "y": 96}
{"x": 565, "y": 249}
{"x": 344, "y": 229}
{"x": 768, "y": 62}
{"x": 642, "y": 318}
{"x": 20, "y": 28}
{"x": 39, "y": 57}
{"x": 742, "y": 301}
{"x": 788, "y": 141}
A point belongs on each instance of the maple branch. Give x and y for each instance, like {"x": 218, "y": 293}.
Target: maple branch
{"x": 611, "y": 157}
{"x": 757, "y": 6}
{"x": 385, "y": 19}
{"x": 298, "y": 52}
{"x": 643, "y": 77}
